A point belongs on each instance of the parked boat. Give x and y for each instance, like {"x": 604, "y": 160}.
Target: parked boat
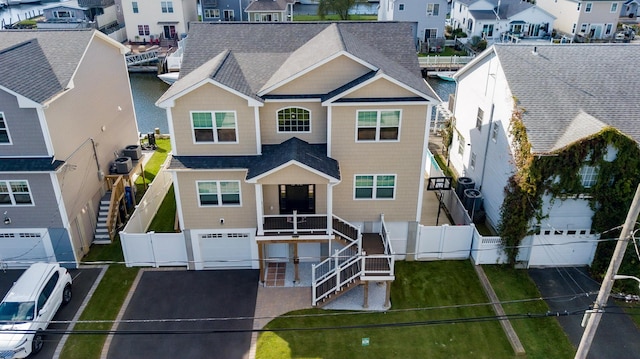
{"x": 169, "y": 77}
{"x": 20, "y": 2}
{"x": 442, "y": 75}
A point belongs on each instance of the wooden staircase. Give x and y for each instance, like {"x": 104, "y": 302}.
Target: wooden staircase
{"x": 109, "y": 213}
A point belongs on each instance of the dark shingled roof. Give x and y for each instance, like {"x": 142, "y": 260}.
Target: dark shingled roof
{"x": 247, "y": 56}
{"x": 273, "y": 156}
{"x": 40, "y": 64}
{"x": 27, "y": 164}
{"x": 570, "y": 92}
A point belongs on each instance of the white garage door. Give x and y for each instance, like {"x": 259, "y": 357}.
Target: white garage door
{"x": 20, "y": 249}
{"x": 226, "y": 250}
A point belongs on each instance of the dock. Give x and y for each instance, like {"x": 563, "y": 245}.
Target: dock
{"x": 442, "y": 63}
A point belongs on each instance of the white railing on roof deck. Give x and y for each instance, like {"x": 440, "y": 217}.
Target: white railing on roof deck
{"x": 444, "y": 60}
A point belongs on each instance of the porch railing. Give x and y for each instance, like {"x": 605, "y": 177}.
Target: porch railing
{"x": 295, "y": 223}
{"x": 380, "y": 264}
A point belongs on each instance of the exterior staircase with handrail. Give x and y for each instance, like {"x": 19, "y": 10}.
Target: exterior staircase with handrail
{"x": 350, "y": 266}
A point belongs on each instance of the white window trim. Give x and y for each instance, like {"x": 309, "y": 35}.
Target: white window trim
{"x": 611, "y": 9}
{"x": 13, "y": 201}
{"x": 214, "y": 15}
{"x": 6, "y": 128}
{"x": 375, "y": 187}
{"x": 303, "y": 108}
{"x": 588, "y": 7}
{"x": 219, "y": 194}
{"x": 215, "y": 134}
{"x": 377, "y": 139}
{"x": 590, "y": 171}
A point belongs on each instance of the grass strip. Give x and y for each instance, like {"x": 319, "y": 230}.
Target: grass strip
{"x": 103, "y": 305}
{"x": 541, "y": 337}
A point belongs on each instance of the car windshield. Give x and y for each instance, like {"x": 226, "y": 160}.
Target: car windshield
{"x": 16, "y": 311}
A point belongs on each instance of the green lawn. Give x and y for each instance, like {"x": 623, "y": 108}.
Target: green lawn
{"x": 114, "y": 286}
{"x": 164, "y": 220}
{"x": 103, "y": 305}
{"x": 541, "y": 337}
{"x": 417, "y": 285}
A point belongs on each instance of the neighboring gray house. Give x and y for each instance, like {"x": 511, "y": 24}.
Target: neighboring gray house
{"x": 430, "y": 15}
{"x": 224, "y": 10}
{"x": 270, "y": 10}
{"x": 59, "y": 129}
{"x": 66, "y": 15}
{"x": 497, "y": 20}
{"x": 630, "y": 9}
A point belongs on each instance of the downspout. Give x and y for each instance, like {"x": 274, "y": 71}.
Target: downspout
{"x": 486, "y": 148}
{"x": 240, "y": 7}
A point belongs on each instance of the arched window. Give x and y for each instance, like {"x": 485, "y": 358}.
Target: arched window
{"x": 294, "y": 119}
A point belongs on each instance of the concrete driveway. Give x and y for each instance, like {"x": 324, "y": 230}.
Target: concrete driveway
{"x": 83, "y": 280}
{"x": 617, "y": 336}
{"x": 181, "y": 294}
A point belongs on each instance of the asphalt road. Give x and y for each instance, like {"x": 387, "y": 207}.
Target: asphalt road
{"x": 83, "y": 279}
{"x": 187, "y": 295}
{"x": 616, "y": 337}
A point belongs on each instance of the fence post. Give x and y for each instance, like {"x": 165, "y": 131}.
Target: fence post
{"x": 337, "y": 264}
{"x": 313, "y": 284}
{"x": 443, "y": 236}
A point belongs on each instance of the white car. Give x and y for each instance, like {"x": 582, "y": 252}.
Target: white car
{"x": 29, "y": 306}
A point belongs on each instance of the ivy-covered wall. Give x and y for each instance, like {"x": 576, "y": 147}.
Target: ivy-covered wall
{"x": 558, "y": 174}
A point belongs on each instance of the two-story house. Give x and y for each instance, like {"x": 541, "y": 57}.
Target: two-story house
{"x": 292, "y": 141}
{"x": 162, "y": 21}
{"x": 65, "y": 109}
{"x": 224, "y": 10}
{"x": 501, "y": 20}
{"x": 430, "y": 15}
{"x": 270, "y": 10}
{"x": 534, "y": 129}
{"x": 584, "y": 19}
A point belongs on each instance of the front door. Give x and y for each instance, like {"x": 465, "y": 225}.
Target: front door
{"x": 169, "y": 31}
{"x": 297, "y": 197}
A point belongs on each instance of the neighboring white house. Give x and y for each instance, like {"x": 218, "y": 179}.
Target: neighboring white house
{"x": 166, "y": 21}
{"x": 429, "y": 14}
{"x": 630, "y": 9}
{"x": 562, "y": 104}
{"x": 496, "y": 20}
{"x": 586, "y": 19}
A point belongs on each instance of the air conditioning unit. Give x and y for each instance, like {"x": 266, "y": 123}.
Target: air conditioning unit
{"x": 123, "y": 165}
{"x": 133, "y": 151}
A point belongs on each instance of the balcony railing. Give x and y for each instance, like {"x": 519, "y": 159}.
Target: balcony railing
{"x": 295, "y": 224}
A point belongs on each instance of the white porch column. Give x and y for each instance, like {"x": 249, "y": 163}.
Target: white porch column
{"x": 329, "y": 208}
{"x": 259, "y": 209}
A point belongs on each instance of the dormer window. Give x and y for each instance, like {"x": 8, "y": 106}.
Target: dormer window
{"x": 294, "y": 119}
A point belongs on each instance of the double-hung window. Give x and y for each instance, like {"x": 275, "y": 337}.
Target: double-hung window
{"x": 294, "y": 119}
{"x": 218, "y": 193}
{"x": 4, "y": 131}
{"x": 588, "y": 176}
{"x": 15, "y": 193}
{"x": 216, "y": 127}
{"x": 375, "y": 187}
{"x": 378, "y": 125}
{"x": 614, "y": 7}
{"x": 211, "y": 13}
{"x": 479, "y": 118}
{"x": 134, "y": 6}
{"x": 167, "y": 6}
{"x": 433, "y": 9}
{"x": 587, "y": 7}
{"x": 143, "y": 30}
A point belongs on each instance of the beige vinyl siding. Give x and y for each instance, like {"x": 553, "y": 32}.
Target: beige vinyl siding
{"x": 293, "y": 174}
{"x": 212, "y": 98}
{"x": 269, "y": 123}
{"x": 402, "y": 159}
{"x": 197, "y": 217}
{"x": 325, "y": 78}
{"x": 381, "y": 88}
